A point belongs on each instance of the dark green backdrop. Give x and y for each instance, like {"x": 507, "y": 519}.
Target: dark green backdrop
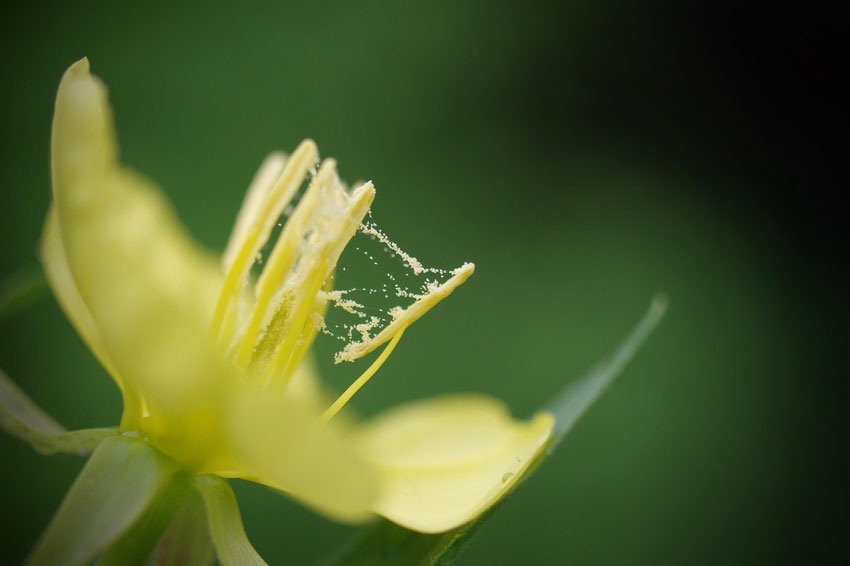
{"x": 584, "y": 158}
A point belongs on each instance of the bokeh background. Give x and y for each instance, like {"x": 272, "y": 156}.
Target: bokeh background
{"x": 584, "y": 155}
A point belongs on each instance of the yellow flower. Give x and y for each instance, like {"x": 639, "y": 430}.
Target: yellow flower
{"x": 214, "y": 364}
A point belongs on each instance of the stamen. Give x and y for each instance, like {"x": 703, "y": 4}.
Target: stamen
{"x": 255, "y": 196}
{"x": 280, "y": 262}
{"x": 315, "y": 322}
{"x": 300, "y": 263}
{"x": 294, "y": 325}
{"x": 361, "y": 381}
{"x": 304, "y": 157}
{"x": 405, "y": 317}
{"x": 332, "y": 228}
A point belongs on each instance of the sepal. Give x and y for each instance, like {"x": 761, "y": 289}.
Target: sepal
{"x": 21, "y": 417}
{"x": 115, "y": 488}
{"x": 228, "y": 535}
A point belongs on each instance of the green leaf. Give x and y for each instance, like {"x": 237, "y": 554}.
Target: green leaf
{"x": 386, "y": 543}
{"x": 187, "y": 540}
{"x": 117, "y": 485}
{"x": 571, "y": 404}
{"x": 228, "y": 534}
{"x": 21, "y": 417}
{"x": 21, "y": 289}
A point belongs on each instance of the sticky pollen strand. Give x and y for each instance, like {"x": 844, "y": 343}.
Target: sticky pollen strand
{"x": 405, "y": 317}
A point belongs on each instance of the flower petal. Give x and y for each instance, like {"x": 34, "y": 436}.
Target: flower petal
{"x": 62, "y": 282}
{"x": 278, "y": 442}
{"x": 305, "y": 386}
{"x": 441, "y": 462}
{"x": 147, "y": 286}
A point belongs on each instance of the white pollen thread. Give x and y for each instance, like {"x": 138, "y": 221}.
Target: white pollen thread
{"x": 348, "y": 305}
{"x": 371, "y": 229}
{"x": 360, "y": 322}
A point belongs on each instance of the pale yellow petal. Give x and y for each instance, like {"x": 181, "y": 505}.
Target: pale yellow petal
{"x": 62, "y": 283}
{"x": 280, "y": 443}
{"x": 64, "y": 287}
{"x": 83, "y": 143}
{"x": 305, "y": 386}
{"x": 441, "y": 462}
{"x": 148, "y": 287}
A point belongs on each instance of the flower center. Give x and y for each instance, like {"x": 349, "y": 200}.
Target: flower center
{"x": 265, "y": 327}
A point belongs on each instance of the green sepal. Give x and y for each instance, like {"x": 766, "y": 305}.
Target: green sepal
{"x": 21, "y": 289}
{"x": 119, "y": 483}
{"x": 228, "y": 535}
{"x": 386, "y": 543}
{"x": 186, "y": 541}
{"x": 21, "y": 417}
{"x": 137, "y": 544}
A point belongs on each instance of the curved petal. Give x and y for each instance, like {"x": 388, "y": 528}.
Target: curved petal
{"x": 280, "y": 443}
{"x": 441, "y": 462}
{"x": 148, "y": 288}
{"x": 62, "y": 283}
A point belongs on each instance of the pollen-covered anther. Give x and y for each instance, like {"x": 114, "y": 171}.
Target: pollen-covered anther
{"x": 403, "y": 317}
{"x": 256, "y": 223}
{"x": 286, "y": 297}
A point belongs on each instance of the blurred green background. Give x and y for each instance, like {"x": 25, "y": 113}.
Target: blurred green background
{"x": 584, "y": 157}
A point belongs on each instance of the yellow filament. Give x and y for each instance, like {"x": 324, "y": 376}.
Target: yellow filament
{"x": 281, "y": 194}
{"x": 361, "y": 381}
{"x": 280, "y": 261}
{"x": 321, "y": 255}
{"x": 408, "y": 316}
{"x": 252, "y": 205}
{"x": 320, "y": 308}
{"x": 294, "y": 326}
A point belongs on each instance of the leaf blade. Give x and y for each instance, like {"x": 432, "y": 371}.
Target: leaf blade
{"x": 577, "y": 397}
